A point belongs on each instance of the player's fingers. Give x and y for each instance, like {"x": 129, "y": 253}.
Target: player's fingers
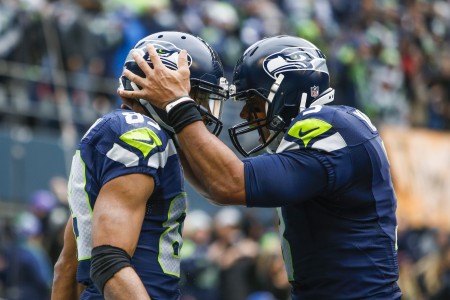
{"x": 183, "y": 67}
{"x": 183, "y": 60}
{"x": 142, "y": 63}
{"x": 130, "y": 94}
{"x": 136, "y": 79}
{"x": 127, "y": 95}
{"x": 154, "y": 57}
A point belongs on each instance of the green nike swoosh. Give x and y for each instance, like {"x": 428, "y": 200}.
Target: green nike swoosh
{"x": 143, "y": 139}
{"x": 308, "y": 129}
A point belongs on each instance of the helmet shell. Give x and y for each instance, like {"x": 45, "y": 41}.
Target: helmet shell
{"x": 204, "y": 63}
{"x": 205, "y": 67}
{"x": 302, "y": 64}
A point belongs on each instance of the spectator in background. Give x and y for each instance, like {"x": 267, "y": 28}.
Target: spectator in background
{"x": 270, "y": 272}
{"x": 234, "y": 254}
{"x": 433, "y": 270}
{"x": 27, "y": 268}
{"x": 83, "y": 37}
{"x": 438, "y": 105}
{"x": 58, "y": 217}
{"x": 3, "y": 268}
{"x": 439, "y": 96}
{"x": 42, "y": 203}
{"x": 423, "y": 260}
{"x": 199, "y": 275}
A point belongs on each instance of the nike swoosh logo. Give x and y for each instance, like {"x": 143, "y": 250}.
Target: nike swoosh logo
{"x": 315, "y": 128}
{"x": 302, "y": 133}
{"x": 143, "y": 139}
{"x": 150, "y": 141}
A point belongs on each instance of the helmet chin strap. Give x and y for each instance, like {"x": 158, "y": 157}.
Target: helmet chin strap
{"x": 303, "y": 102}
{"x": 271, "y": 148}
{"x": 273, "y": 90}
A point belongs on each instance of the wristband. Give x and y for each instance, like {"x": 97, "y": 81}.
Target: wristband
{"x": 177, "y": 101}
{"x": 106, "y": 261}
{"x": 183, "y": 114}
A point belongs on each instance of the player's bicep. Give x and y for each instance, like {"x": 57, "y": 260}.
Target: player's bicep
{"x": 283, "y": 179}
{"x": 119, "y": 211}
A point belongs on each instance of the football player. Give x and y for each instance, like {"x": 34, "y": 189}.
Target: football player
{"x": 126, "y": 187}
{"x": 324, "y": 167}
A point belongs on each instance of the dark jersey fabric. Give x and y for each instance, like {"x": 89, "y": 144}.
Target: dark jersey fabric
{"x": 124, "y": 142}
{"x": 331, "y": 182}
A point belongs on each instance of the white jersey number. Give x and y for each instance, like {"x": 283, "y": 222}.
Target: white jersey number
{"x": 364, "y": 118}
{"x": 171, "y": 241}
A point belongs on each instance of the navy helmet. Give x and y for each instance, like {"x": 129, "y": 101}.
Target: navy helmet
{"x": 289, "y": 74}
{"x": 209, "y": 88}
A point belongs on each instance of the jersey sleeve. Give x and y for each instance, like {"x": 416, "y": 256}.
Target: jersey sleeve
{"x": 283, "y": 179}
{"x": 124, "y": 145}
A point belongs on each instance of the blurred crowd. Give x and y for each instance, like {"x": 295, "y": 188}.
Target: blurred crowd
{"x": 389, "y": 58}
{"x": 229, "y": 254}
{"x": 30, "y": 243}
{"x": 60, "y": 60}
{"x": 424, "y": 260}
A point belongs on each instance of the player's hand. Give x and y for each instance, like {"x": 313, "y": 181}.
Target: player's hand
{"x": 161, "y": 85}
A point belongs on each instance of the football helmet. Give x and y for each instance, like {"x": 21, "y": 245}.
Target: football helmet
{"x": 209, "y": 88}
{"x": 286, "y": 73}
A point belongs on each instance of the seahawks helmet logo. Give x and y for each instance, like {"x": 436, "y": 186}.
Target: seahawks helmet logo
{"x": 293, "y": 59}
{"x": 167, "y": 52}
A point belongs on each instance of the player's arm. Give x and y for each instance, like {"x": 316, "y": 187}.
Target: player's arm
{"x": 199, "y": 185}
{"x": 213, "y": 168}
{"x": 210, "y": 160}
{"x": 65, "y": 285}
{"x": 117, "y": 220}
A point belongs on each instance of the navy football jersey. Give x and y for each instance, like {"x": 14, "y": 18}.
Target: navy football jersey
{"x": 125, "y": 142}
{"x": 331, "y": 182}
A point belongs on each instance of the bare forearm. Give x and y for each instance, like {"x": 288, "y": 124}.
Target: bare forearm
{"x": 214, "y": 164}
{"x": 199, "y": 185}
{"x": 117, "y": 221}
{"x": 125, "y": 285}
{"x": 65, "y": 285}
